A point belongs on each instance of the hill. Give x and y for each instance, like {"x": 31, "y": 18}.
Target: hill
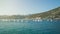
{"x": 12, "y": 17}
{"x": 51, "y": 14}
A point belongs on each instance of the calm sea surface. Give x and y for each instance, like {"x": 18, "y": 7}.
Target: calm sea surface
{"x": 30, "y": 27}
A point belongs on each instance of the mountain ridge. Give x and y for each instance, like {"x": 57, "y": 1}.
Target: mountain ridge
{"x": 51, "y": 14}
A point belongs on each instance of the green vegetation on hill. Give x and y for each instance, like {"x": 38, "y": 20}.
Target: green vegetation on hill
{"x": 51, "y": 14}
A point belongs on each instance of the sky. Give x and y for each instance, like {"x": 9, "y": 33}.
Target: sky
{"x": 25, "y": 7}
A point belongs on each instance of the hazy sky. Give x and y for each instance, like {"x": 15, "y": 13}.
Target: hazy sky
{"x": 10, "y": 7}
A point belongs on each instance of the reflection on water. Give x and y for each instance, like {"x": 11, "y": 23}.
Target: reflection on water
{"x": 30, "y": 27}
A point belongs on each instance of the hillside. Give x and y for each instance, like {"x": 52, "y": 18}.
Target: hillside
{"x": 12, "y": 17}
{"x": 51, "y": 14}
{"x": 54, "y": 13}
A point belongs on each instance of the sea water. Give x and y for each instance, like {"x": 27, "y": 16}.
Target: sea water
{"x": 30, "y": 27}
